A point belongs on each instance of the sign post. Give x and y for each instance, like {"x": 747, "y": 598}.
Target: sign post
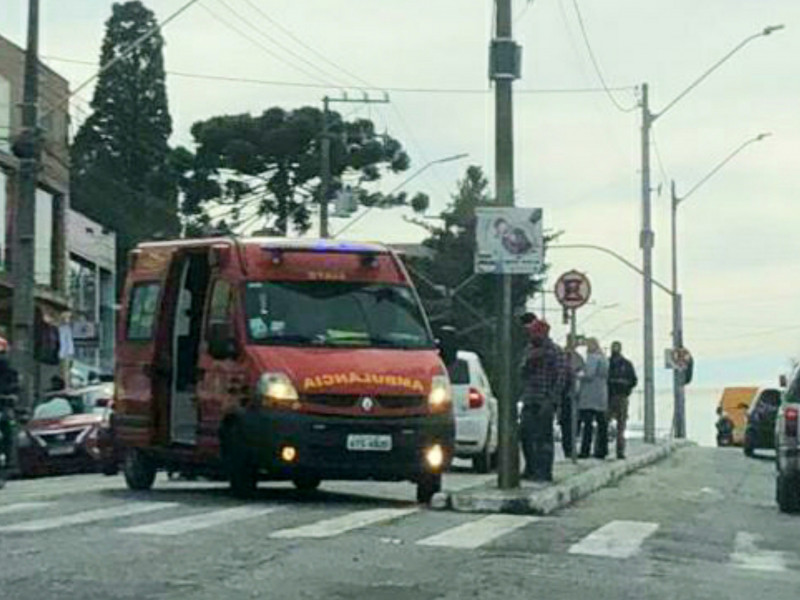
{"x": 509, "y": 241}
{"x": 573, "y": 290}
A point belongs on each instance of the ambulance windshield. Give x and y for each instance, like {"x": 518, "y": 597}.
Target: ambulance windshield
{"x": 337, "y": 314}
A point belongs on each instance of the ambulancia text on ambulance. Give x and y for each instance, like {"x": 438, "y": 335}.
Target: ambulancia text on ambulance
{"x": 278, "y": 359}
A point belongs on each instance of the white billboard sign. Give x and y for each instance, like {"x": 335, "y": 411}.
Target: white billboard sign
{"x": 509, "y": 241}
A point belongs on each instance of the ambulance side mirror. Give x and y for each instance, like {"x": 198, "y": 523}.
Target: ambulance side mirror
{"x": 222, "y": 342}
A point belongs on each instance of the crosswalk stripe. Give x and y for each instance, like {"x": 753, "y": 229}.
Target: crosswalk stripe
{"x": 23, "y": 506}
{"x": 89, "y": 516}
{"x": 477, "y": 533}
{"x": 343, "y": 524}
{"x": 617, "y": 539}
{"x": 201, "y": 521}
{"x": 747, "y": 555}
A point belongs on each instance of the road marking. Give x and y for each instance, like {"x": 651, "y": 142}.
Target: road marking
{"x": 617, "y": 539}
{"x": 747, "y": 555}
{"x": 477, "y": 533}
{"x": 343, "y": 524}
{"x": 89, "y": 516}
{"x": 23, "y": 506}
{"x": 201, "y": 521}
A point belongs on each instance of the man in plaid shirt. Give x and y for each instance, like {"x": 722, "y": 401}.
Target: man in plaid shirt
{"x": 542, "y": 371}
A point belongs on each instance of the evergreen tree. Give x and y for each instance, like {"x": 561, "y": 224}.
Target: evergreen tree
{"x": 122, "y": 171}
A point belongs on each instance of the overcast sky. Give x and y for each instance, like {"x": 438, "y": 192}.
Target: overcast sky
{"x": 577, "y": 155}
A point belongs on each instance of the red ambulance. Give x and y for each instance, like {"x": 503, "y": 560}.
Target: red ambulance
{"x": 263, "y": 358}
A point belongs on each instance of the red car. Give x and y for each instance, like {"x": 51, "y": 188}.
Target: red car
{"x": 69, "y": 432}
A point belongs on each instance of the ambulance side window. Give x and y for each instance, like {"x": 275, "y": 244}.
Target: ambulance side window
{"x": 142, "y": 311}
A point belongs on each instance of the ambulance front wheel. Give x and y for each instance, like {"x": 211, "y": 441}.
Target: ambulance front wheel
{"x": 140, "y": 470}
{"x": 428, "y": 486}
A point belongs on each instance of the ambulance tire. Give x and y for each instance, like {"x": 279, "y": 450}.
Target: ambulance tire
{"x": 427, "y": 486}
{"x": 307, "y": 483}
{"x": 140, "y": 470}
{"x": 241, "y": 470}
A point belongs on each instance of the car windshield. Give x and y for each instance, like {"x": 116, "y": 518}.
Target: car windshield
{"x": 335, "y": 314}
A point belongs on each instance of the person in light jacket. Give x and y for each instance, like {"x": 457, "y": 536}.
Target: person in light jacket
{"x": 593, "y": 403}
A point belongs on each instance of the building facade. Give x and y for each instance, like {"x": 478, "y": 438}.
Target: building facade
{"x": 92, "y": 284}
{"x": 52, "y": 200}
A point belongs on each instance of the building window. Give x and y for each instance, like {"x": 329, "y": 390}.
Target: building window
{"x": 5, "y": 114}
{"x": 43, "y": 262}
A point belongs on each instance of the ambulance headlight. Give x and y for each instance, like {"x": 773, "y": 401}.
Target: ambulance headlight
{"x": 277, "y": 390}
{"x": 441, "y": 395}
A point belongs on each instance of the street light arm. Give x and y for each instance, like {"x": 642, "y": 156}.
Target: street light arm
{"x": 716, "y": 169}
{"x": 612, "y": 253}
{"x": 765, "y": 32}
{"x": 405, "y": 182}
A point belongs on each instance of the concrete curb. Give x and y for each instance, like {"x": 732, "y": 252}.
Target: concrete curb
{"x": 549, "y": 499}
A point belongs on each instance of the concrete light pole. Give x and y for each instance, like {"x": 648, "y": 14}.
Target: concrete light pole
{"x": 647, "y": 237}
{"x": 677, "y": 298}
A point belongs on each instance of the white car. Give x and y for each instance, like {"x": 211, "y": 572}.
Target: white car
{"x": 475, "y": 408}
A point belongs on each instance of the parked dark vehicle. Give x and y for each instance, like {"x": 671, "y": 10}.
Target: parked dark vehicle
{"x": 760, "y": 431}
{"x": 69, "y": 432}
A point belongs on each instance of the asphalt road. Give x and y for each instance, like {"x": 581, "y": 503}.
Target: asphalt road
{"x": 701, "y": 525}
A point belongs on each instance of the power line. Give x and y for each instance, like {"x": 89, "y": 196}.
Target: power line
{"x": 281, "y": 46}
{"x": 662, "y": 170}
{"x": 127, "y": 51}
{"x": 596, "y": 64}
{"x": 286, "y": 31}
{"x": 398, "y": 90}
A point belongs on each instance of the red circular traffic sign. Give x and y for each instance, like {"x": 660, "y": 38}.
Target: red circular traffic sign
{"x": 573, "y": 289}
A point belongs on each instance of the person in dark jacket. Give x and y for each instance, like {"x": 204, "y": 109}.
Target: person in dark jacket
{"x": 621, "y": 382}
{"x": 541, "y": 374}
{"x": 9, "y": 386}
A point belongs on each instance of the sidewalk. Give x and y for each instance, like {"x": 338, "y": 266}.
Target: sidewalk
{"x": 571, "y": 483}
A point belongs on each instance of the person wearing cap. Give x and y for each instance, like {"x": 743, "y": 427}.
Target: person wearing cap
{"x": 541, "y": 373}
{"x": 621, "y": 382}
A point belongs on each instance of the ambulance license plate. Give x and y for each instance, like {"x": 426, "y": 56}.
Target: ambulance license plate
{"x": 369, "y": 443}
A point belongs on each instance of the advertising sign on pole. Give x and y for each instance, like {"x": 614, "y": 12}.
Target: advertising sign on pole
{"x": 509, "y": 241}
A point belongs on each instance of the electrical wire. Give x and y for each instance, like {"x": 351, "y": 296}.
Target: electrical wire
{"x": 286, "y": 31}
{"x": 596, "y": 64}
{"x": 263, "y": 47}
{"x": 127, "y": 51}
{"x": 328, "y": 77}
{"x": 398, "y": 90}
{"x": 662, "y": 170}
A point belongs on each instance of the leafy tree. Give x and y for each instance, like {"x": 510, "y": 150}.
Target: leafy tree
{"x": 268, "y": 167}
{"x": 122, "y": 171}
{"x": 472, "y": 310}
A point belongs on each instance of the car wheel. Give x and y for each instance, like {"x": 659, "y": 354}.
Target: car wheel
{"x": 482, "y": 463}
{"x": 109, "y": 469}
{"x": 239, "y": 465}
{"x": 749, "y": 447}
{"x": 427, "y": 486}
{"x": 307, "y": 483}
{"x": 140, "y": 470}
{"x": 787, "y": 494}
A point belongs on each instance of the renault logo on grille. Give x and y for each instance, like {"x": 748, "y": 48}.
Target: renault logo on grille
{"x": 367, "y": 404}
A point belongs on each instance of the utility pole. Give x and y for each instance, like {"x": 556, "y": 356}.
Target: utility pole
{"x": 646, "y": 243}
{"x": 325, "y": 155}
{"x": 27, "y": 148}
{"x": 325, "y": 171}
{"x": 679, "y": 426}
{"x": 504, "y": 69}
{"x": 572, "y": 347}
